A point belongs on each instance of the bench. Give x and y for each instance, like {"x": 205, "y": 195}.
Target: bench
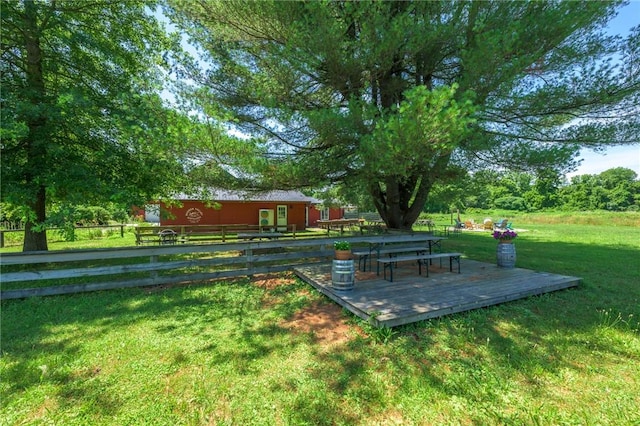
{"x": 389, "y": 262}
{"x": 364, "y": 255}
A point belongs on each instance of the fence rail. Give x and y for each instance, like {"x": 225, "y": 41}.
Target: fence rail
{"x": 207, "y": 233}
{"x": 145, "y": 266}
{"x": 14, "y": 226}
{"x": 186, "y": 233}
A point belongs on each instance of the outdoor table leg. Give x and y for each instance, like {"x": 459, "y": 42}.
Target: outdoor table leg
{"x": 376, "y": 247}
{"x": 434, "y": 243}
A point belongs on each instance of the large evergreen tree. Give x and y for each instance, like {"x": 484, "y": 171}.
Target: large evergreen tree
{"x": 82, "y": 121}
{"x": 387, "y": 96}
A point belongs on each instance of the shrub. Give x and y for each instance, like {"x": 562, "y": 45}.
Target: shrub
{"x": 511, "y": 203}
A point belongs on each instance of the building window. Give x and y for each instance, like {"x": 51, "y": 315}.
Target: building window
{"x": 324, "y": 213}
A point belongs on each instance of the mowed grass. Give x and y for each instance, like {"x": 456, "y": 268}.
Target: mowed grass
{"x": 85, "y": 239}
{"x": 229, "y": 353}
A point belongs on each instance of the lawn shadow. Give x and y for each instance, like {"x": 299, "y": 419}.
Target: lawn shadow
{"x": 478, "y": 356}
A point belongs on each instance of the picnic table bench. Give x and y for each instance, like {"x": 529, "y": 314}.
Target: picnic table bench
{"x": 389, "y": 262}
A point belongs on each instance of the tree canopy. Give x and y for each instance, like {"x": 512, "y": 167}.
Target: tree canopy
{"x": 616, "y": 189}
{"x": 392, "y": 97}
{"x": 82, "y": 118}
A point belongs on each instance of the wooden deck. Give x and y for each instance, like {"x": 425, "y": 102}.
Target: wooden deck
{"x": 412, "y": 297}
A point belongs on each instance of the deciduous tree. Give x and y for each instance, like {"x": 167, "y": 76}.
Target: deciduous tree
{"x": 387, "y": 96}
{"x": 82, "y": 121}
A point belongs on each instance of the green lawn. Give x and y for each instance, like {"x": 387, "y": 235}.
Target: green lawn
{"x": 230, "y": 352}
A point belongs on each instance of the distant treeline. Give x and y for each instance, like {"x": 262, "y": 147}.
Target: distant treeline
{"x": 616, "y": 189}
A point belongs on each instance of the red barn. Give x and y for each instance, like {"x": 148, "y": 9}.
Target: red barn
{"x": 278, "y": 209}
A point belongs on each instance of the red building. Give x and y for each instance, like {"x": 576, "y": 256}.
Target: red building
{"x": 277, "y": 209}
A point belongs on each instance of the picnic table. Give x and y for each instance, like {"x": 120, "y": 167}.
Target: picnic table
{"x": 380, "y": 246}
{"x": 337, "y": 224}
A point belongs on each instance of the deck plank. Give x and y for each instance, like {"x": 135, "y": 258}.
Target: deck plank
{"x": 412, "y": 297}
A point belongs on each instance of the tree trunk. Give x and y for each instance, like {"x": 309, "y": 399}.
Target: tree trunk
{"x": 400, "y": 204}
{"x": 35, "y": 236}
{"x": 394, "y": 203}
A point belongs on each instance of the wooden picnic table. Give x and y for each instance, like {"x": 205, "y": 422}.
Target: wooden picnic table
{"x": 337, "y": 224}
{"x": 382, "y": 245}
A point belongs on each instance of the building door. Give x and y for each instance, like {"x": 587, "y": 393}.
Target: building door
{"x": 281, "y": 217}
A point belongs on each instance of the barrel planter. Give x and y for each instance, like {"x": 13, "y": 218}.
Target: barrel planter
{"x": 506, "y": 254}
{"x": 342, "y": 254}
{"x": 343, "y": 275}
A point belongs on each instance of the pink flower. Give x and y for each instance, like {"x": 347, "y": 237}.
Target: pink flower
{"x": 504, "y": 235}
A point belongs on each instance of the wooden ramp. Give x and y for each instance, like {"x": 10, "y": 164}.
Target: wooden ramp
{"x": 412, "y": 297}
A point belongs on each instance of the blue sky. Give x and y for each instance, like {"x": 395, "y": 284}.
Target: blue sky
{"x": 618, "y": 156}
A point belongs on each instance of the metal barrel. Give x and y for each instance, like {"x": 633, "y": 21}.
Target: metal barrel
{"x": 506, "y": 255}
{"x": 343, "y": 274}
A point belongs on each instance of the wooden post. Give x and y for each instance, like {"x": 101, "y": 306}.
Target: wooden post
{"x": 154, "y": 273}
{"x": 249, "y": 254}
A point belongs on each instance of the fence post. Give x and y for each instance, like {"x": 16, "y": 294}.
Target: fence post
{"x": 154, "y": 273}
{"x": 1, "y": 238}
{"x": 248, "y": 252}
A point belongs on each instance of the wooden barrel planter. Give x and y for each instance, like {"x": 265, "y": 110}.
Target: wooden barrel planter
{"x": 506, "y": 255}
{"x": 343, "y": 275}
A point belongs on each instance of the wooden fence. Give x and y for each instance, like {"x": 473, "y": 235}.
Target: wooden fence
{"x": 205, "y": 233}
{"x": 74, "y": 271}
{"x": 11, "y": 225}
{"x": 186, "y": 233}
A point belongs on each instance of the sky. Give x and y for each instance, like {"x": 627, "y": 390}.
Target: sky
{"x": 618, "y": 156}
